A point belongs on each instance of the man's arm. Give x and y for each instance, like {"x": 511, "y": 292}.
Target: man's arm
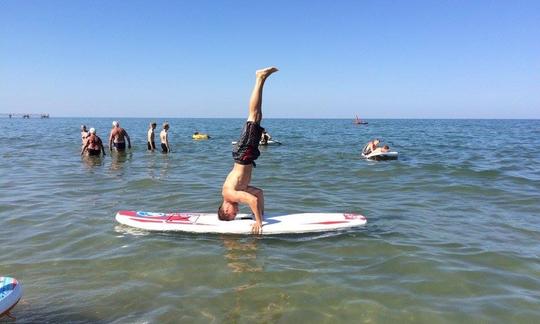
{"x": 111, "y": 139}
{"x": 167, "y": 142}
{"x": 257, "y": 192}
{"x": 102, "y": 148}
{"x": 127, "y": 136}
{"x": 84, "y": 148}
{"x": 252, "y": 201}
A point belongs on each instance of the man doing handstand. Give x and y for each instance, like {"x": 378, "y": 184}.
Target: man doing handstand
{"x": 236, "y": 188}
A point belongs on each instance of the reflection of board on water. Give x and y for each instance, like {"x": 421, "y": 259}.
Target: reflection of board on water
{"x": 270, "y": 142}
{"x": 10, "y": 294}
{"x": 209, "y": 223}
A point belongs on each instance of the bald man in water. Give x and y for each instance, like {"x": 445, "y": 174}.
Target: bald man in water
{"x": 236, "y": 188}
{"x": 117, "y": 137}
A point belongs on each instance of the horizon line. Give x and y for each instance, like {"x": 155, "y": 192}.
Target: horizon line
{"x": 341, "y": 118}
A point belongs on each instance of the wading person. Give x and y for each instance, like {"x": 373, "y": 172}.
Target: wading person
{"x": 93, "y": 145}
{"x": 118, "y": 137}
{"x": 164, "y": 137}
{"x": 150, "y": 137}
{"x": 84, "y": 135}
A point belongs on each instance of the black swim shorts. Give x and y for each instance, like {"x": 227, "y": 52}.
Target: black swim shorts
{"x": 246, "y": 149}
{"x": 164, "y": 148}
{"x": 120, "y": 146}
{"x": 150, "y": 145}
{"x": 94, "y": 152}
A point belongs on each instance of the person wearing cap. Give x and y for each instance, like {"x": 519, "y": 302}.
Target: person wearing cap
{"x": 84, "y": 135}
{"x": 94, "y": 145}
{"x": 150, "y": 136}
{"x": 164, "y": 137}
{"x": 118, "y": 137}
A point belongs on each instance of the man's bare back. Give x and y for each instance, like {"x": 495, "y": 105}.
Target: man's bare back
{"x": 118, "y": 134}
{"x": 117, "y": 137}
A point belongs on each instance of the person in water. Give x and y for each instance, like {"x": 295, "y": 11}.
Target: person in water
{"x": 84, "y": 135}
{"x": 376, "y": 149}
{"x": 150, "y": 136}
{"x": 265, "y": 137}
{"x": 164, "y": 137}
{"x": 371, "y": 146}
{"x": 236, "y": 188}
{"x": 383, "y": 149}
{"x": 118, "y": 137}
{"x": 93, "y": 145}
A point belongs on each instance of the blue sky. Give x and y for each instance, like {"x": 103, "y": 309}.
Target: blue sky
{"x": 377, "y": 59}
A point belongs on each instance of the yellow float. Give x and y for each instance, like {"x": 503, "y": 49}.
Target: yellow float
{"x": 199, "y": 136}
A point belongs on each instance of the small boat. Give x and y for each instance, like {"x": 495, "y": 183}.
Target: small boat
{"x": 10, "y": 294}
{"x": 359, "y": 121}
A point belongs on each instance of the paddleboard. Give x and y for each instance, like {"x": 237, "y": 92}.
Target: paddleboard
{"x": 381, "y": 156}
{"x": 270, "y": 142}
{"x": 209, "y": 223}
{"x": 10, "y": 294}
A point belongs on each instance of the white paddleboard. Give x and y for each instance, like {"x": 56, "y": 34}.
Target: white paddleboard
{"x": 270, "y": 142}
{"x": 209, "y": 223}
{"x": 381, "y": 156}
{"x": 10, "y": 294}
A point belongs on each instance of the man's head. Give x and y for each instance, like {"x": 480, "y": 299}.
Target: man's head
{"x": 165, "y": 125}
{"x": 386, "y": 147}
{"x": 83, "y": 128}
{"x": 376, "y": 141}
{"x": 115, "y": 123}
{"x": 92, "y": 130}
{"x": 153, "y": 125}
{"x": 227, "y": 211}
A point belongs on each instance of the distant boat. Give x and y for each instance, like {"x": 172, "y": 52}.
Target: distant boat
{"x": 359, "y": 121}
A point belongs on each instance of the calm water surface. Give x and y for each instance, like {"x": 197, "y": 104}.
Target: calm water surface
{"x": 453, "y": 231}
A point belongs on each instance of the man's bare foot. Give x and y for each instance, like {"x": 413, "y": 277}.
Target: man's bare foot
{"x": 264, "y": 73}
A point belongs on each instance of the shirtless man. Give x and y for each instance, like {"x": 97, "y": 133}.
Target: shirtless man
{"x": 93, "y": 145}
{"x": 164, "y": 137}
{"x": 117, "y": 137}
{"x": 84, "y": 135}
{"x": 236, "y": 188}
{"x": 265, "y": 138}
{"x": 383, "y": 149}
{"x": 151, "y": 143}
{"x": 371, "y": 146}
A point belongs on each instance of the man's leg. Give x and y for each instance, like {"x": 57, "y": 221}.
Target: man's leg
{"x": 255, "y": 102}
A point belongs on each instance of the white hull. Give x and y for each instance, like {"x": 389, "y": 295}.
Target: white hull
{"x": 209, "y": 223}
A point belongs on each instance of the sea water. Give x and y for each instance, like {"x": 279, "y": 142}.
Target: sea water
{"x": 453, "y": 232}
